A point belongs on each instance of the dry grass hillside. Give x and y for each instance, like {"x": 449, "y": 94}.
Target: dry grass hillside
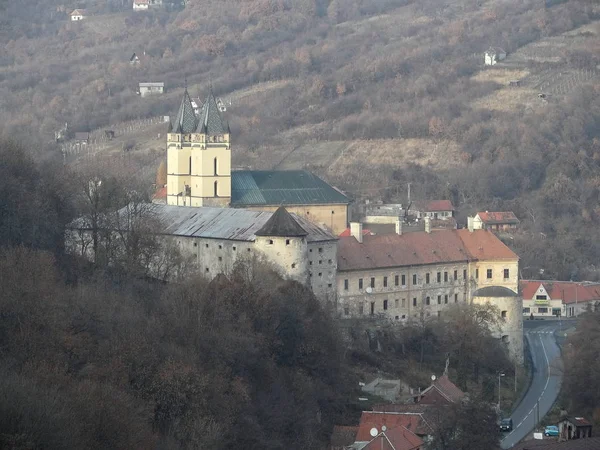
{"x": 370, "y": 94}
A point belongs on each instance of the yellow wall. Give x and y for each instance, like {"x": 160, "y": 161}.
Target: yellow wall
{"x": 497, "y": 266}
{"x": 333, "y": 217}
{"x": 200, "y": 151}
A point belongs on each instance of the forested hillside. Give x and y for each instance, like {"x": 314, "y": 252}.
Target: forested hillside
{"x": 99, "y": 355}
{"x": 311, "y": 71}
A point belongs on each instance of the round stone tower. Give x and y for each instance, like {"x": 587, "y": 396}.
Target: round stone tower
{"x": 283, "y": 242}
{"x": 510, "y": 305}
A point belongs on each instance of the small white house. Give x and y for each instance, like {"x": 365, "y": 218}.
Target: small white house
{"x": 141, "y": 5}
{"x": 494, "y": 55}
{"x": 77, "y": 15}
{"x": 151, "y": 88}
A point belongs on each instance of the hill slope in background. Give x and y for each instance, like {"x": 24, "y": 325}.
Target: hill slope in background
{"x": 355, "y": 72}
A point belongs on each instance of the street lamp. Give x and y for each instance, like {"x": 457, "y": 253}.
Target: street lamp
{"x": 500, "y": 375}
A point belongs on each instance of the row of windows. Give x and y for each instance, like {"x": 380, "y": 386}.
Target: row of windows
{"x": 543, "y": 310}
{"x": 329, "y": 261}
{"x": 234, "y": 248}
{"x": 398, "y": 279}
{"x": 446, "y": 277}
{"x": 385, "y": 305}
{"x": 489, "y": 274}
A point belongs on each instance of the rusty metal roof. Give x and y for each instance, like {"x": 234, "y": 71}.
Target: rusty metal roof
{"x": 217, "y": 223}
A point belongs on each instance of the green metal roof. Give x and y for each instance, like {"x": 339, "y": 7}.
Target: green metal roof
{"x": 281, "y": 187}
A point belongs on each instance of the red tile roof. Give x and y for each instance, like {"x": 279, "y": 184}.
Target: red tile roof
{"x": 413, "y": 422}
{"x": 498, "y": 217}
{"x": 411, "y": 249}
{"x": 395, "y": 439}
{"x": 568, "y": 291}
{"x": 579, "y": 421}
{"x": 438, "y": 205}
{"x": 447, "y": 388}
{"x": 347, "y": 232}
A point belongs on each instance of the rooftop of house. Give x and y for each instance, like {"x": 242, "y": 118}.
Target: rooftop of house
{"x": 217, "y": 223}
{"x": 568, "y": 291}
{"x": 412, "y": 421}
{"x": 592, "y": 443}
{"x": 418, "y": 248}
{"x": 495, "y": 50}
{"x": 347, "y": 232}
{"x": 433, "y": 205}
{"x": 447, "y": 388}
{"x": 78, "y": 12}
{"x": 579, "y": 421}
{"x": 152, "y": 84}
{"x": 281, "y": 187}
{"x": 498, "y": 217}
{"x": 398, "y": 438}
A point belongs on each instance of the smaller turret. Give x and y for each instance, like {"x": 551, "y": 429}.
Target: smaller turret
{"x": 283, "y": 241}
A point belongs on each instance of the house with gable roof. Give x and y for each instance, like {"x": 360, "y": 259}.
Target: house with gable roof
{"x": 494, "y": 221}
{"x": 77, "y": 15}
{"x": 441, "y": 392}
{"x": 545, "y": 298}
{"x": 398, "y": 438}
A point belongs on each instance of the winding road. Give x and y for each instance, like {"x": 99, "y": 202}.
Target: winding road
{"x": 545, "y": 385}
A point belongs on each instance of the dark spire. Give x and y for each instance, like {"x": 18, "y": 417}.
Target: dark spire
{"x": 281, "y": 224}
{"x": 210, "y": 121}
{"x": 185, "y": 121}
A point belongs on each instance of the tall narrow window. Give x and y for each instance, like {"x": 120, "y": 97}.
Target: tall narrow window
{"x": 384, "y": 281}
{"x": 216, "y": 190}
{"x": 190, "y": 165}
{"x": 215, "y": 164}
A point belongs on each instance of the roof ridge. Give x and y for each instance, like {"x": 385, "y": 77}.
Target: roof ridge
{"x": 281, "y": 223}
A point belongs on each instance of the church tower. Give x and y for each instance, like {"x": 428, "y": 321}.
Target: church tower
{"x": 198, "y": 156}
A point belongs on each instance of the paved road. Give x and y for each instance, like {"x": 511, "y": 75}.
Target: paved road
{"x": 547, "y": 378}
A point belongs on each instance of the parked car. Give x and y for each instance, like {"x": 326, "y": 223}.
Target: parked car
{"x": 551, "y": 430}
{"x": 506, "y": 425}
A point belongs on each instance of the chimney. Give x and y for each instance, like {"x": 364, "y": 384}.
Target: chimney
{"x": 470, "y": 223}
{"x": 356, "y": 231}
{"x": 399, "y": 226}
{"x": 427, "y": 224}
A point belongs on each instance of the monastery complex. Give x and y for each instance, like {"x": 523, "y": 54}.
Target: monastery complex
{"x": 294, "y": 220}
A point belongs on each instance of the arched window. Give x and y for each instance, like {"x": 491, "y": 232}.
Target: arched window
{"x": 215, "y": 166}
{"x": 216, "y": 184}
